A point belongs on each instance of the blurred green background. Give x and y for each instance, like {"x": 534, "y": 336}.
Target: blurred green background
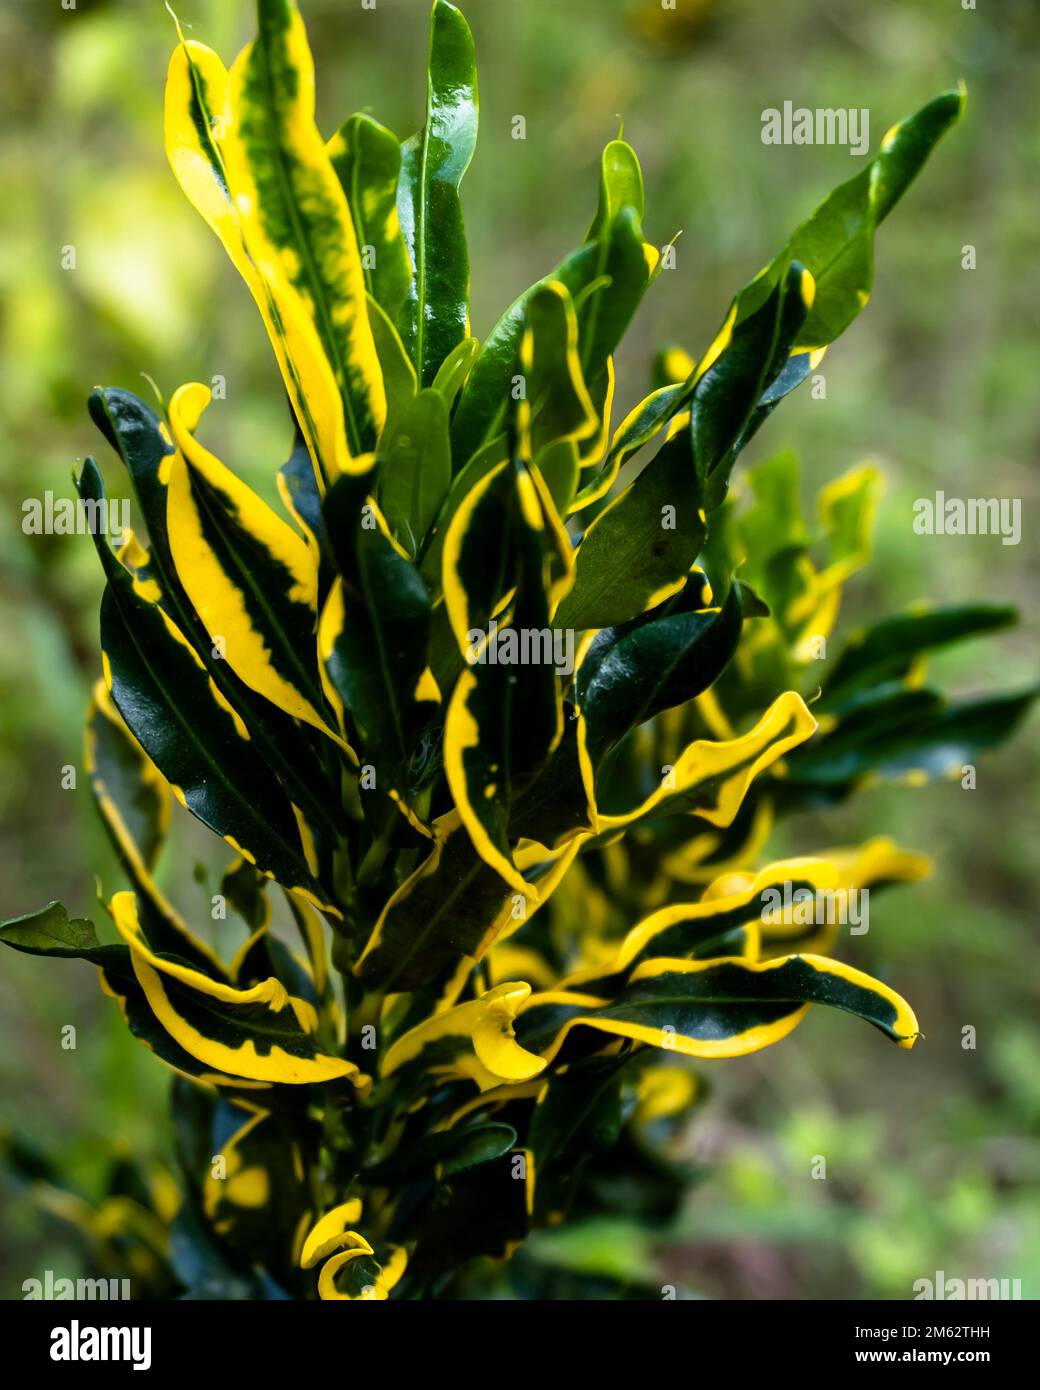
{"x": 933, "y": 1157}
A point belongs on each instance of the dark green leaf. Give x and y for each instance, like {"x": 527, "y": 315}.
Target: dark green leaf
{"x": 727, "y": 393}
{"x": 435, "y": 313}
{"x": 631, "y": 673}
{"x": 641, "y": 547}
{"x": 887, "y": 650}
{"x": 837, "y": 242}
{"x": 134, "y": 432}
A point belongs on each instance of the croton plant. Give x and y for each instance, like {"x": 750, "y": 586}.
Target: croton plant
{"x": 496, "y": 714}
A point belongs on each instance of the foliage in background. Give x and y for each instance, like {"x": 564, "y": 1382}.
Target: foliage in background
{"x": 743, "y": 699}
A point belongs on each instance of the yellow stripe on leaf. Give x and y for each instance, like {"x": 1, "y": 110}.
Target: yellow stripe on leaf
{"x": 219, "y": 596}
{"x": 484, "y": 1030}
{"x": 295, "y": 216}
{"x": 330, "y": 1232}
{"x": 195, "y": 125}
{"x": 245, "y": 1059}
{"x": 270, "y": 992}
{"x": 729, "y": 766}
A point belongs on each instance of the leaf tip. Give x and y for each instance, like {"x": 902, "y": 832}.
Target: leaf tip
{"x": 177, "y": 24}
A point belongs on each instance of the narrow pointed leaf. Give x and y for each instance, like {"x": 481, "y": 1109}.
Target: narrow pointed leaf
{"x": 556, "y": 406}
{"x": 505, "y": 716}
{"x": 710, "y": 777}
{"x": 913, "y": 735}
{"x": 624, "y": 274}
{"x": 442, "y": 912}
{"x": 887, "y": 650}
{"x": 633, "y": 672}
{"x": 453, "y": 371}
{"x": 249, "y": 576}
{"x": 298, "y": 489}
{"x": 435, "y": 313}
{"x": 454, "y": 905}
{"x": 728, "y": 390}
{"x": 837, "y": 242}
{"x": 143, "y": 444}
{"x": 483, "y": 462}
{"x": 720, "y": 1008}
{"x": 262, "y": 1033}
{"x": 486, "y": 399}
{"x": 560, "y": 806}
{"x": 639, "y": 550}
{"x": 690, "y": 929}
{"x": 373, "y": 641}
{"x": 164, "y": 693}
{"x": 295, "y": 217}
{"x": 133, "y": 800}
{"x": 196, "y": 126}
{"x": 398, "y": 373}
{"x": 367, "y": 159}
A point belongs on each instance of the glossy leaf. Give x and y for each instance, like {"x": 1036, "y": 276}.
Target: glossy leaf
{"x": 428, "y": 709}
{"x": 631, "y": 673}
{"x": 372, "y": 642}
{"x": 435, "y": 314}
{"x": 913, "y": 735}
{"x": 639, "y": 550}
{"x": 196, "y": 146}
{"x": 132, "y": 796}
{"x": 711, "y": 777}
{"x": 731, "y": 903}
{"x": 730, "y": 386}
{"x": 449, "y": 1152}
{"x": 452, "y": 906}
{"x": 556, "y": 406}
{"x": 144, "y": 446}
{"x": 199, "y": 744}
{"x": 486, "y": 399}
{"x": 579, "y": 1114}
{"x": 259, "y": 1196}
{"x": 620, "y": 187}
{"x": 474, "y": 1040}
{"x": 622, "y": 274}
{"x": 607, "y": 275}
{"x": 560, "y": 805}
{"x": 505, "y": 715}
{"x": 453, "y": 371}
{"x": 133, "y": 800}
{"x": 295, "y": 218}
{"x": 261, "y": 1033}
{"x": 367, "y": 159}
{"x": 299, "y": 492}
{"x": 442, "y": 911}
{"x": 718, "y": 1008}
{"x": 250, "y": 578}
